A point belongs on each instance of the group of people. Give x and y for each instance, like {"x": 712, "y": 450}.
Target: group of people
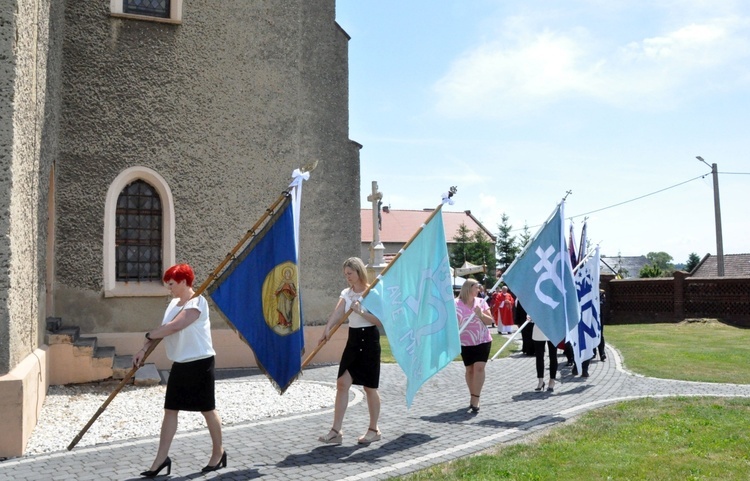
{"x": 186, "y": 332}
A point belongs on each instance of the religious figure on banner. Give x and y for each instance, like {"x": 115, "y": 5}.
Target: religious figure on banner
{"x": 281, "y": 304}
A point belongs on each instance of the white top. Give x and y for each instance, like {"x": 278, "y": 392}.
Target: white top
{"x": 538, "y": 335}
{"x": 355, "y": 320}
{"x": 193, "y": 342}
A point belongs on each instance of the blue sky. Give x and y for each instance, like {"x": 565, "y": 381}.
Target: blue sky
{"x": 516, "y": 102}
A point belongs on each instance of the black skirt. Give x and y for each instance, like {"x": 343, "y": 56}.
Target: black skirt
{"x": 191, "y": 386}
{"x": 361, "y": 356}
{"x": 478, "y": 353}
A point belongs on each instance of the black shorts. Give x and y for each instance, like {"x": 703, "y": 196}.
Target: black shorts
{"x": 478, "y": 353}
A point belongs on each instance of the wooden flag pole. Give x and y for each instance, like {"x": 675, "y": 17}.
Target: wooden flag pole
{"x": 209, "y": 280}
{"x": 317, "y": 349}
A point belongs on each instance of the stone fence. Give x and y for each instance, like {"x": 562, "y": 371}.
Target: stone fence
{"x": 672, "y": 299}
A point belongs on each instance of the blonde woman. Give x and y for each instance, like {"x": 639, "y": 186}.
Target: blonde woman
{"x": 476, "y": 339}
{"x": 360, "y": 362}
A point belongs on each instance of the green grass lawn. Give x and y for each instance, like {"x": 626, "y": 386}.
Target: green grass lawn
{"x": 674, "y": 439}
{"x": 697, "y": 351}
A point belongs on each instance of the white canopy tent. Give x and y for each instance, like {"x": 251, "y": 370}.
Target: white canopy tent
{"x": 468, "y": 268}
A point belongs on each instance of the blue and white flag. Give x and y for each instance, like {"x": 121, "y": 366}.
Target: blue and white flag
{"x": 414, "y": 301}
{"x": 542, "y": 279}
{"x": 259, "y": 293}
{"x": 585, "y": 337}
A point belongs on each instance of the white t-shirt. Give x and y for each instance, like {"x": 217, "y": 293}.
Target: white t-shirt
{"x": 193, "y": 342}
{"x": 538, "y": 335}
{"x": 350, "y": 297}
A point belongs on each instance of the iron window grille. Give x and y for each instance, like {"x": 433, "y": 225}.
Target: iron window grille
{"x": 151, "y": 8}
{"x": 138, "y": 243}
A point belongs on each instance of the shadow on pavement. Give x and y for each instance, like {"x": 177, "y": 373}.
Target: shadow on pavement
{"x": 339, "y": 453}
{"x": 458, "y": 416}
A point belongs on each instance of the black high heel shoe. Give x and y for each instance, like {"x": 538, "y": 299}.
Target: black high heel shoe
{"x": 152, "y": 474}
{"x": 221, "y": 464}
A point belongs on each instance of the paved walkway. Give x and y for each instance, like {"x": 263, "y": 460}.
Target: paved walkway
{"x": 436, "y": 429}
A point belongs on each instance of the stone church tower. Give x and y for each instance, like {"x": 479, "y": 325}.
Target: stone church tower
{"x": 137, "y": 134}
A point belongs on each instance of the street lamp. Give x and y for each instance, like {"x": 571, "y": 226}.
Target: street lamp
{"x": 717, "y": 215}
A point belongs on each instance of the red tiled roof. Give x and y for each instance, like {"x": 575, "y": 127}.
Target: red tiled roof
{"x": 401, "y": 225}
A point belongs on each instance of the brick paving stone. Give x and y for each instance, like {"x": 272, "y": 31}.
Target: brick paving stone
{"x": 436, "y": 429}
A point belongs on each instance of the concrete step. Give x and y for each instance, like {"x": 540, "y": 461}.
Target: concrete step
{"x": 54, "y": 323}
{"x": 105, "y": 352}
{"x": 64, "y": 335}
{"x": 147, "y": 375}
{"x": 121, "y": 366}
{"x": 103, "y": 357}
{"x": 86, "y": 345}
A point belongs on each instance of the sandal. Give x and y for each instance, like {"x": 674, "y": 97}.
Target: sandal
{"x": 474, "y": 409}
{"x": 370, "y": 438}
{"x": 333, "y": 437}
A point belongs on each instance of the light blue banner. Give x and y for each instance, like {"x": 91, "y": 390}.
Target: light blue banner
{"x": 542, "y": 279}
{"x": 414, "y": 301}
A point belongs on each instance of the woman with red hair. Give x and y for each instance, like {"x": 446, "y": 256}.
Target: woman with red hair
{"x": 186, "y": 331}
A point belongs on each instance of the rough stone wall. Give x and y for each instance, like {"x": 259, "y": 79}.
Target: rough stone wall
{"x": 224, "y": 107}
{"x": 28, "y": 138}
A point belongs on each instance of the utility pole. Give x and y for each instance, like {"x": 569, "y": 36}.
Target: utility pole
{"x": 717, "y": 215}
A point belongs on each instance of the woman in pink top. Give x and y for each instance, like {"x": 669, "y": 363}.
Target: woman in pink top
{"x": 476, "y": 339}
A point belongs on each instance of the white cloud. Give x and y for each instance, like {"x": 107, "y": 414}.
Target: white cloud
{"x": 525, "y": 67}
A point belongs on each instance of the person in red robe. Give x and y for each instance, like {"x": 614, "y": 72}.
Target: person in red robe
{"x": 504, "y": 305}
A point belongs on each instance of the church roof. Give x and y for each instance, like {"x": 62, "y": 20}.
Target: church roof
{"x": 400, "y": 225}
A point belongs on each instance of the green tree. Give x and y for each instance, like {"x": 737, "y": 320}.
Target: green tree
{"x": 460, "y": 250}
{"x": 649, "y": 271}
{"x": 692, "y": 262}
{"x": 476, "y": 248}
{"x": 662, "y": 260}
{"x": 484, "y": 252}
{"x": 507, "y": 245}
{"x": 525, "y": 236}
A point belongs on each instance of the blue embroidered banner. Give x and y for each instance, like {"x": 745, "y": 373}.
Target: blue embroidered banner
{"x": 259, "y": 295}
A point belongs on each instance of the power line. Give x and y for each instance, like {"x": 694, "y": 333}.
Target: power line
{"x": 639, "y": 198}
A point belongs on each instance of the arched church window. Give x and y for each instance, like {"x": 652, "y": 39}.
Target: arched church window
{"x": 138, "y": 233}
{"x": 138, "y": 241}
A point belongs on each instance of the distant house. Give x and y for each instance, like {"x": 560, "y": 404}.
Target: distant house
{"x": 627, "y": 267}
{"x": 735, "y": 265}
{"x": 398, "y": 226}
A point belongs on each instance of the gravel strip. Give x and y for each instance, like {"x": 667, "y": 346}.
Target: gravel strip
{"x": 137, "y": 411}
